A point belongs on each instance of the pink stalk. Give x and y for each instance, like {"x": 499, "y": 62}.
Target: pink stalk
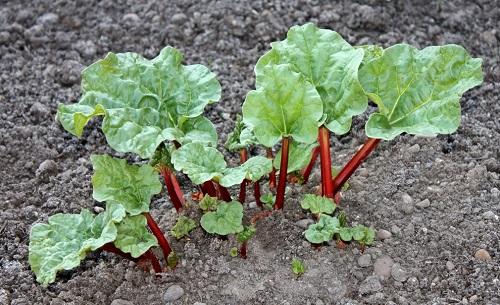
{"x": 173, "y": 188}
{"x": 280, "y": 192}
{"x": 326, "y": 162}
{"x": 272, "y": 174}
{"x": 243, "y": 185}
{"x": 162, "y": 241}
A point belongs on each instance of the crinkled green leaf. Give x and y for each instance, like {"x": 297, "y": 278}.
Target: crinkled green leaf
{"x": 363, "y": 235}
{"x": 268, "y": 201}
{"x": 183, "y": 226}
{"x": 209, "y": 203}
{"x": 142, "y": 100}
{"x": 201, "y": 163}
{"x": 346, "y": 234}
{"x": 299, "y": 155}
{"x": 133, "y": 237}
{"x": 298, "y": 267}
{"x": 371, "y": 52}
{"x": 247, "y": 233}
{"x": 418, "y": 91}
{"x": 285, "y": 104}
{"x": 323, "y": 231}
{"x": 233, "y": 252}
{"x": 241, "y": 137}
{"x": 130, "y": 185}
{"x": 329, "y": 63}
{"x": 162, "y": 156}
{"x": 226, "y": 220}
{"x": 66, "y": 239}
{"x": 172, "y": 259}
{"x": 318, "y": 204}
{"x": 253, "y": 169}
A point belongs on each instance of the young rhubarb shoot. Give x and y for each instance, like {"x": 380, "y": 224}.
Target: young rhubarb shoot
{"x": 298, "y": 267}
{"x": 323, "y": 231}
{"x": 318, "y": 204}
{"x": 209, "y": 203}
{"x": 243, "y": 237}
{"x": 183, "y": 226}
{"x": 227, "y": 219}
{"x": 284, "y": 106}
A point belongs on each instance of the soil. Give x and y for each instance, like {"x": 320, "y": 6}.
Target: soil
{"x": 437, "y": 198}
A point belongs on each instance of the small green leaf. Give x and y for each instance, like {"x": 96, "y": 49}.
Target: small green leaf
{"x": 133, "y": 236}
{"x": 233, "y": 252}
{"x": 299, "y": 155}
{"x": 247, "y": 233}
{"x": 285, "y": 104}
{"x": 323, "y": 231}
{"x": 346, "y": 234}
{"x": 131, "y": 185}
{"x": 226, "y": 220}
{"x": 172, "y": 260}
{"x": 363, "y": 235}
{"x": 209, "y": 203}
{"x": 318, "y": 204}
{"x": 183, "y": 226}
{"x": 418, "y": 91}
{"x": 268, "y": 201}
{"x": 162, "y": 156}
{"x": 298, "y": 267}
{"x": 241, "y": 137}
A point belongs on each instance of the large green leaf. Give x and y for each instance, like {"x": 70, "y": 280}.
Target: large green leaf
{"x": 241, "y": 137}
{"x": 253, "y": 169}
{"x": 318, "y": 204}
{"x": 144, "y": 101}
{"x": 329, "y": 63}
{"x": 226, "y": 220}
{"x": 285, "y": 104}
{"x": 132, "y": 186}
{"x": 299, "y": 155}
{"x": 418, "y": 91}
{"x": 66, "y": 239}
{"x": 323, "y": 231}
{"x": 133, "y": 237}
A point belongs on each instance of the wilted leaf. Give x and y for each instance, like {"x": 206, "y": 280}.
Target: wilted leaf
{"x": 183, "y": 226}
{"x": 209, "y": 203}
{"x": 318, "y": 204}
{"x": 226, "y": 220}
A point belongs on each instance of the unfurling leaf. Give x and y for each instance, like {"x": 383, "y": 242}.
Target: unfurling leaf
{"x": 418, "y": 91}
{"x": 209, "y": 203}
{"x": 225, "y": 220}
{"x": 144, "y": 102}
{"x": 329, "y": 63}
{"x": 133, "y": 236}
{"x": 132, "y": 186}
{"x": 371, "y": 52}
{"x": 323, "y": 231}
{"x": 346, "y": 234}
{"x": 284, "y": 104}
{"x": 318, "y": 204}
{"x": 183, "y": 226}
{"x": 241, "y": 137}
{"x": 172, "y": 260}
{"x": 247, "y": 233}
{"x": 298, "y": 267}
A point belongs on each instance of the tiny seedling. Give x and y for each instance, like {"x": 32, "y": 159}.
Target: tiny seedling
{"x": 183, "y": 226}
{"x": 243, "y": 237}
{"x": 298, "y": 267}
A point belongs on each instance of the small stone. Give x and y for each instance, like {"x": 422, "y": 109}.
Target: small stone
{"x": 398, "y": 273}
{"x": 395, "y": 230}
{"x": 450, "y": 266}
{"x": 370, "y": 284}
{"x": 482, "y": 255}
{"x": 414, "y": 149}
{"x": 69, "y": 72}
{"x": 48, "y": 18}
{"x": 383, "y": 234}
{"x": 39, "y": 111}
{"x": 365, "y": 260}
{"x": 412, "y": 283}
{"x": 4, "y": 296}
{"x": 98, "y": 209}
{"x": 382, "y": 266}
{"x": 199, "y": 303}
{"x": 86, "y": 48}
{"x": 473, "y": 299}
{"x": 131, "y": 19}
{"x": 423, "y": 204}
{"x": 121, "y": 302}
{"x": 304, "y": 223}
{"x": 407, "y": 206}
{"x": 490, "y": 215}
{"x": 407, "y": 199}
{"x": 319, "y": 302}
{"x": 173, "y": 293}
{"x": 179, "y": 18}
{"x": 46, "y": 169}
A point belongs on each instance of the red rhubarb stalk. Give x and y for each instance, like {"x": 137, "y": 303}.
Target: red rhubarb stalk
{"x": 306, "y": 171}
{"x": 162, "y": 241}
{"x": 243, "y": 185}
{"x": 326, "y": 162}
{"x": 354, "y": 163}
{"x": 256, "y": 193}
{"x": 223, "y": 193}
{"x": 154, "y": 261}
{"x": 208, "y": 188}
{"x": 173, "y": 188}
{"x": 280, "y": 192}
{"x": 243, "y": 250}
{"x": 113, "y": 249}
{"x": 272, "y": 174}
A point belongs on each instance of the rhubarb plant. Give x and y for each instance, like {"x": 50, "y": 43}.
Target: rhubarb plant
{"x": 227, "y": 219}
{"x": 183, "y": 226}
{"x": 243, "y": 237}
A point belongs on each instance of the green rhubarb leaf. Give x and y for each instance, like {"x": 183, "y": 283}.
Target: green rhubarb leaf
{"x": 323, "y": 231}
{"x": 268, "y": 201}
{"x": 299, "y": 155}
{"x": 371, "y": 52}
{"x": 346, "y": 234}
{"x": 233, "y": 252}
{"x": 63, "y": 242}
{"x": 241, "y": 137}
{"x": 418, "y": 91}
{"x": 183, "y": 226}
{"x": 209, "y": 203}
{"x": 253, "y": 169}
{"x": 226, "y": 220}
{"x": 144, "y": 101}
{"x": 285, "y": 104}
{"x": 363, "y": 235}
{"x": 162, "y": 156}
{"x": 329, "y": 63}
{"x": 133, "y": 237}
{"x": 131, "y": 185}
{"x": 318, "y": 204}
{"x": 247, "y": 233}
{"x": 298, "y": 267}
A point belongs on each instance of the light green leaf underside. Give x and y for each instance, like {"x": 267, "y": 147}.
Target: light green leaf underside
{"x": 140, "y": 98}
{"x": 132, "y": 186}
{"x": 226, "y": 220}
{"x": 253, "y": 169}
{"x": 329, "y": 63}
{"x": 284, "y": 105}
{"x": 66, "y": 239}
{"x": 133, "y": 237}
{"x": 418, "y": 91}
{"x": 318, "y": 204}
{"x": 299, "y": 156}
{"x": 183, "y": 226}
{"x": 322, "y": 231}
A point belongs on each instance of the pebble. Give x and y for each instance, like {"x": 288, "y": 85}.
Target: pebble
{"x": 382, "y": 266}
{"x": 199, "y": 303}
{"x": 482, "y": 255}
{"x": 414, "y": 149}
{"x": 121, "y": 302}
{"x": 450, "y": 266}
{"x": 304, "y": 223}
{"x": 86, "y": 48}
{"x": 252, "y": 205}
{"x": 46, "y": 169}
{"x": 383, "y": 234}
{"x": 412, "y": 283}
{"x": 473, "y": 299}
{"x": 179, "y": 18}
{"x": 131, "y": 19}
{"x": 407, "y": 206}
{"x": 490, "y": 215}
{"x": 69, "y": 72}
{"x": 370, "y": 284}
{"x": 365, "y": 260}
{"x": 48, "y": 18}
{"x": 423, "y": 204}
{"x": 173, "y": 293}
{"x": 398, "y": 273}
{"x": 395, "y": 230}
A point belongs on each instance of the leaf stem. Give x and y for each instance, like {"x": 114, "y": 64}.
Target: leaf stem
{"x": 162, "y": 241}
{"x": 243, "y": 185}
{"x": 272, "y": 174}
{"x": 256, "y": 193}
{"x": 223, "y": 193}
{"x": 154, "y": 261}
{"x": 280, "y": 192}
{"x": 173, "y": 188}
{"x": 208, "y": 188}
{"x": 326, "y": 162}
{"x": 109, "y": 247}
{"x": 354, "y": 163}
{"x": 243, "y": 250}
{"x": 306, "y": 171}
